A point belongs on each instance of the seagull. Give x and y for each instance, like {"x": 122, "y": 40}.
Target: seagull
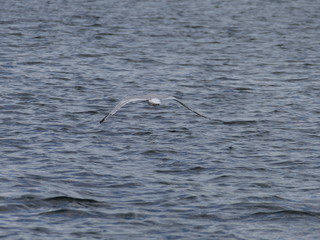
{"x": 151, "y": 99}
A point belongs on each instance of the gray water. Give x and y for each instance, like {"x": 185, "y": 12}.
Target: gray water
{"x": 160, "y": 172}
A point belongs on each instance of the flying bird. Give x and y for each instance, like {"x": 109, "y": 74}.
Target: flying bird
{"x": 150, "y": 99}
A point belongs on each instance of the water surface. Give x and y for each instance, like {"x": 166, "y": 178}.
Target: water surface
{"x": 160, "y": 172}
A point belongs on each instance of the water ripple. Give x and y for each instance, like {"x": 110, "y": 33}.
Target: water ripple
{"x": 159, "y": 173}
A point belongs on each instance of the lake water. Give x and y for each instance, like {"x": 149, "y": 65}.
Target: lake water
{"x": 160, "y": 172}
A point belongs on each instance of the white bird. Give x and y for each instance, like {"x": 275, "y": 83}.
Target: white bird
{"x": 151, "y": 99}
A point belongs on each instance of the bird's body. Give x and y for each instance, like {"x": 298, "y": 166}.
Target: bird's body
{"x": 154, "y": 101}
{"x": 151, "y": 99}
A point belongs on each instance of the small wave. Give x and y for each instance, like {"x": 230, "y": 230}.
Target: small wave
{"x": 67, "y": 213}
{"x": 66, "y": 199}
{"x": 125, "y": 185}
{"x": 171, "y": 171}
{"x": 287, "y": 213}
{"x": 142, "y": 133}
{"x": 240, "y": 122}
{"x": 32, "y": 63}
{"x": 198, "y": 169}
{"x": 243, "y": 89}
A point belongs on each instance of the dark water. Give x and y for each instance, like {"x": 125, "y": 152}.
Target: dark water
{"x": 160, "y": 172}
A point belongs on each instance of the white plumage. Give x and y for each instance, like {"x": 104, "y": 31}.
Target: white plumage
{"x": 151, "y": 99}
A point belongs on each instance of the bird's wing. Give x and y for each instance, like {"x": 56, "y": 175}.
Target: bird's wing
{"x": 183, "y": 104}
{"x": 122, "y": 103}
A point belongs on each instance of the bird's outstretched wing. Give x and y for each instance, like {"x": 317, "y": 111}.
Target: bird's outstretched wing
{"x": 183, "y": 104}
{"x": 121, "y": 104}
